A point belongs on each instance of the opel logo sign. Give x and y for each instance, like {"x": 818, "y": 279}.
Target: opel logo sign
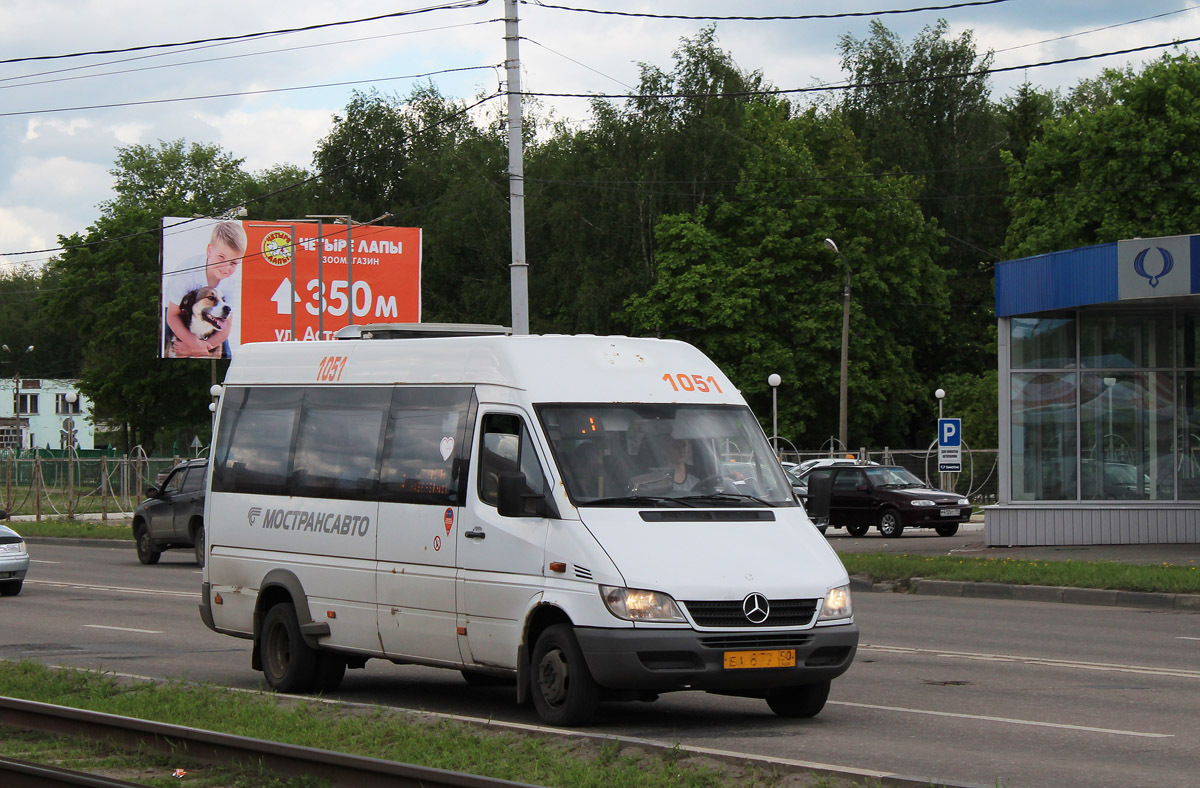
{"x": 756, "y": 608}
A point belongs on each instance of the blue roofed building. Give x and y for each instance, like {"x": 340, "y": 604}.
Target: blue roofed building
{"x": 1099, "y": 357}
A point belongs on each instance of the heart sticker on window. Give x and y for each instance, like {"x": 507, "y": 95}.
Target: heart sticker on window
{"x": 447, "y": 448}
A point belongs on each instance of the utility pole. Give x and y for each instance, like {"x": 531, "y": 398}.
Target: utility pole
{"x": 519, "y": 269}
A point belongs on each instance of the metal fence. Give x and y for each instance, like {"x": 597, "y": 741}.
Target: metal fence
{"x": 53, "y": 485}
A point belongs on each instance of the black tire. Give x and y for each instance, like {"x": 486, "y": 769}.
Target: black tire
{"x": 857, "y": 530}
{"x": 288, "y": 663}
{"x": 822, "y": 528}
{"x": 198, "y": 544}
{"x": 807, "y": 700}
{"x": 146, "y": 551}
{"x": 564, "y": 692}
{"x": 11, "y": 587}
{"x": 890, "y": 524}
{"x": 331, "y": 669}
{"x": 949, "y": 529}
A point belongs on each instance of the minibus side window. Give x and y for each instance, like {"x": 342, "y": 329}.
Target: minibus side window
{"x": 505, "y": 446}
{"x": 254, "y": 447}
{"x": 339, "y": 442}
{"x": 428, "y": 442}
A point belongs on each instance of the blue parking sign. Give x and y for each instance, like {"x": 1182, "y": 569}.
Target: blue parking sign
{"x": 949, "y": 445}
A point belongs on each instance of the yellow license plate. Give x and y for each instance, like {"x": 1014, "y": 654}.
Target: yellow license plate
{"x": 782, "y": 658}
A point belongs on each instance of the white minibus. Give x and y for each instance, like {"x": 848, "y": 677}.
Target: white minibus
{"x": 591, "y": 518}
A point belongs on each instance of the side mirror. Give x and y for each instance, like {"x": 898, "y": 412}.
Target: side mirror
{"x": 511, "y": 494}
{"x": 151, "y": 492}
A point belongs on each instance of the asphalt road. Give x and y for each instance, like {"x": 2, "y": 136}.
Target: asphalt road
{"x": 979, "y": 692}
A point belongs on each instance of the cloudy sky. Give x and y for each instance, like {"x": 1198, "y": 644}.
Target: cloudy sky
{"x": 270, "y": 99}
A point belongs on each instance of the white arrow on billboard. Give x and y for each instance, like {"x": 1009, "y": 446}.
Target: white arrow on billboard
{"x": 283, "y": 304}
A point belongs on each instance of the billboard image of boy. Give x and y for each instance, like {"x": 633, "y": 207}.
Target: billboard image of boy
{"x": 201, "y": 292}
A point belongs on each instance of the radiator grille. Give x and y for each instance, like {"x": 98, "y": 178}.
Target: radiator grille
{"x": 756, "y": 642}
{"x": 725, "y": 615}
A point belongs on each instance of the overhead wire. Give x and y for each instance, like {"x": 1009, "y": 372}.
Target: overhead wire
{"x": 219, "y": 59}
{"x": 772, "y": 18}
{"x": 245, "y": 36}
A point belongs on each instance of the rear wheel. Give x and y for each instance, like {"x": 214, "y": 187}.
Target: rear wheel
{"x": 857, "y": 530}
{"x": 564, "y": 692}
{"x": 822, "y": 528}
{"x": 949, "y": 529}
{"x": 890, "y": 524}
{"x": 146, "y": 552}
{"x": 198, "y": 544}
{"x": 288, "y": 663}
{"x": 331, "y": 669}
{"x": 806, "y": 700}
{"x": 10, "y": 587}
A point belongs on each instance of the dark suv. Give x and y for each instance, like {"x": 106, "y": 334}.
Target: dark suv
{"x": 886, "y": 496}
{"x": 172, "y": 514}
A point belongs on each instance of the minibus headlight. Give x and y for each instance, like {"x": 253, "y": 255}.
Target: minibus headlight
{"x": 837, "y": 604}
{"x": 636, "y": 604}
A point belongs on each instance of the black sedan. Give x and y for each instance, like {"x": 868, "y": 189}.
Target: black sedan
{"x": 887, "y": 496}
{"x": 173, "y": 514}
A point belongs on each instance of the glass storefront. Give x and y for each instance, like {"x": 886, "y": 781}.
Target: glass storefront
{"x": 1101, "y": 409}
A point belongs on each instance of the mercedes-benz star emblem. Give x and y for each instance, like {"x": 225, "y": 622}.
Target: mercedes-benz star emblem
{"x": 756, "y": 608}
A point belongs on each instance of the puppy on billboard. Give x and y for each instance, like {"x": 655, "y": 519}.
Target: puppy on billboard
{"x": 201, "y": 290}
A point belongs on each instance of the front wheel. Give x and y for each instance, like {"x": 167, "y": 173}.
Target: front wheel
{"x": 857, "y": 530}
{"x": 11, "y": 587}
{"x": 288, "y": 663}
{"x": 890, "y": 524}
{"x": 198, "y": 544}
{"x": 564, "y": 692}
{"x": 806, "y": 700}
{"x": 146, "y": 552}
{"x": 949, "y": 529}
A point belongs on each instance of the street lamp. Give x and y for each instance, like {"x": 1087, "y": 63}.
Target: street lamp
{"x": 831, "y": 246}
{"x": 17, "y": 389}
{"x": 773, "y": 381}
{"x": 941, "y": 395}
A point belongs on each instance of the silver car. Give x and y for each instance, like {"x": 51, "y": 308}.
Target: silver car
{"x": 14, "y": 560}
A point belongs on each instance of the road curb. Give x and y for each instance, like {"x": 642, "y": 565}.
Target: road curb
{"x": 1027, "y": 593}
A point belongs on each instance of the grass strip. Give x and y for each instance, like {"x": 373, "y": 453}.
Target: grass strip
{"x": 887, "y": 567}
{"x": 73, "y": 529}
{"x": 382, "y": 733}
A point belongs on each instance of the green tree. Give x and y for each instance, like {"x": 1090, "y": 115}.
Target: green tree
{"x": 104, "y": 288}
{"x": 748, "y": 280}
{"x": 924, "y": 108}
{"x": 1120, "y": 167}
{"x": 596, "y": 194}
{"x": 425, "y": 160}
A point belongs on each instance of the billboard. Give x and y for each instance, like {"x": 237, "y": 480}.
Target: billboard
{"x": 229, "y": 282}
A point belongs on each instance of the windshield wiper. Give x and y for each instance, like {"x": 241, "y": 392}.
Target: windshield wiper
{"x": 656, "y": 500}
{"x": 728, "y": 496}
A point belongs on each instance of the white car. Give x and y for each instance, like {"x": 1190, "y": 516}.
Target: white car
{"x": 14, "y": 560}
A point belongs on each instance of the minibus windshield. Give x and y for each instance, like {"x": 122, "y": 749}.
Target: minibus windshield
{"x": 664, "y": 455}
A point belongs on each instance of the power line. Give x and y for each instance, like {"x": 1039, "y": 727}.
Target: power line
{"x": 246, "y": 92}
{"x": 461, "y": 111}
{"x": 212, "y": 59}
{"x": 705, "y": 18}
{"x": 863, "y": 85}
{"x": 242, "y": 37}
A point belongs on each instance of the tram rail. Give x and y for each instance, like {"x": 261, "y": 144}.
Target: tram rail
{"x": 285, "y": 760}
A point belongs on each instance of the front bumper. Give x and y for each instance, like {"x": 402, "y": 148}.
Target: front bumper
{"x": 14, "y": 567}
{"x": 663, "y": 660}
{"x": 931, "y": 516}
